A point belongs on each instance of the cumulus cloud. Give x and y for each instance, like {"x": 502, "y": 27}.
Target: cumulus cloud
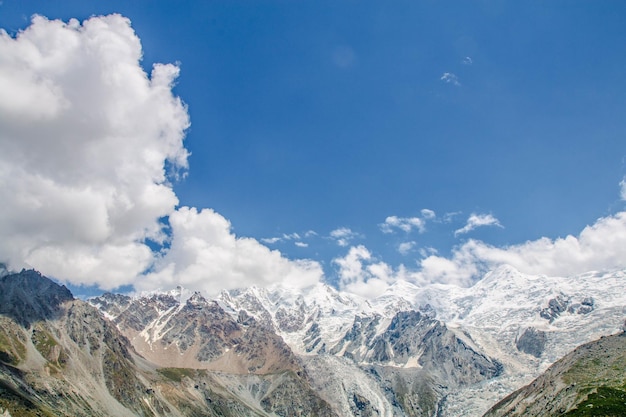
{"x": 90, "y": 144}
{"x": 343, "y": 236}
{"x": 86, "y": 136}
{"x": 360, "y": 274}
{"x": 477, "y": 220}
{"x": 622, "y": 192}
{"x": 205, "y": 255}
{"x": 450, "y": 78}
{"x": 467, "y": 60}
{"x": 598, "y": 247}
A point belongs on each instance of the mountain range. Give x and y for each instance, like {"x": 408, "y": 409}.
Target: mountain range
{"x": 414, "y": 351}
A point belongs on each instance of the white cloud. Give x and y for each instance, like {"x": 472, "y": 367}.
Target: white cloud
{"x": 285, "y": 236}
{"x": 359, "y": 275}
{"x": 85, "y": 136}
{"x": 450, "y": 78}
{"x": 205, "y": 255}
{"x": 426, "y": 252}
{"x": 271, "y": 240}
{"x": 406, "y": 224}
{"x": 291, "y": 236}
{"x": 468, "y": 60}
{"x": 598, "y": 247}
{"x": 343, "y": 236}
{"x": 477, "y": 220}
{"x": 622, "y": 190}
{"x": 405, "y": 247}
{"x": 428, "y": 214}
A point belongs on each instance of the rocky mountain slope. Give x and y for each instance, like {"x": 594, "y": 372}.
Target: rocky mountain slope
{"x": 590, "y": 381}
{"x": 403, "y": 361}
{"x": 60, "y": 356}
{"x": 414, "y": 351}
{"x": 521, "y": 323}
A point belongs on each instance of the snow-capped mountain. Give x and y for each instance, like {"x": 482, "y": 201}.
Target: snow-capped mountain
{"x": 61, "y": 357}
{"x": 401, "y": 360}
{"x": 412, "y": 351}
{"x": 525, "y": 322}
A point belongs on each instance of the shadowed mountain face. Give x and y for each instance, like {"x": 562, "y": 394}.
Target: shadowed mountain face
{"x": 590, "y": 381}
{"x": 28, "y": 296}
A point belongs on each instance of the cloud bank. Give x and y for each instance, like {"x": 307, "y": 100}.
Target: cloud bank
{"x": 601, "y": 246}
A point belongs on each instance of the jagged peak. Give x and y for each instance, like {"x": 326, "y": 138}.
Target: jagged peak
{"x": 196, "y": 299}
{"x": 29, "y": 296}
{"x": 179, "y": 293}
{"x": 504, "y": 275}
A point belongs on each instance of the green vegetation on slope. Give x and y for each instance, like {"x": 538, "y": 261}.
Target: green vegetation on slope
{"x": 12, "y": 342}
{"x": 18, "y": 404}
{"x": 590, "y": 381}
{"x": 600, "y": 379}
{"x": 177, "y": 374}
{"x": 49, "y": 348}
{"x": 606, "y": 401}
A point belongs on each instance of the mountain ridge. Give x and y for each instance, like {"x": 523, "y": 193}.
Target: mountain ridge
{"x": 503, "y": 316}
{"x": 414, "y": 351}
{"x": 68, "y": 359}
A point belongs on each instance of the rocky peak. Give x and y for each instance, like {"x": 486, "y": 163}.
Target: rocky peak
{"x": 197, "y": 301}
{"x": 563, "y": 303}
{"x": 28, "y": 296}
{"x": 112, "y": 305}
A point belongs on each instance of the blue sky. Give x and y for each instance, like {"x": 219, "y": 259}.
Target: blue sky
{"x": 318, "y": 116}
